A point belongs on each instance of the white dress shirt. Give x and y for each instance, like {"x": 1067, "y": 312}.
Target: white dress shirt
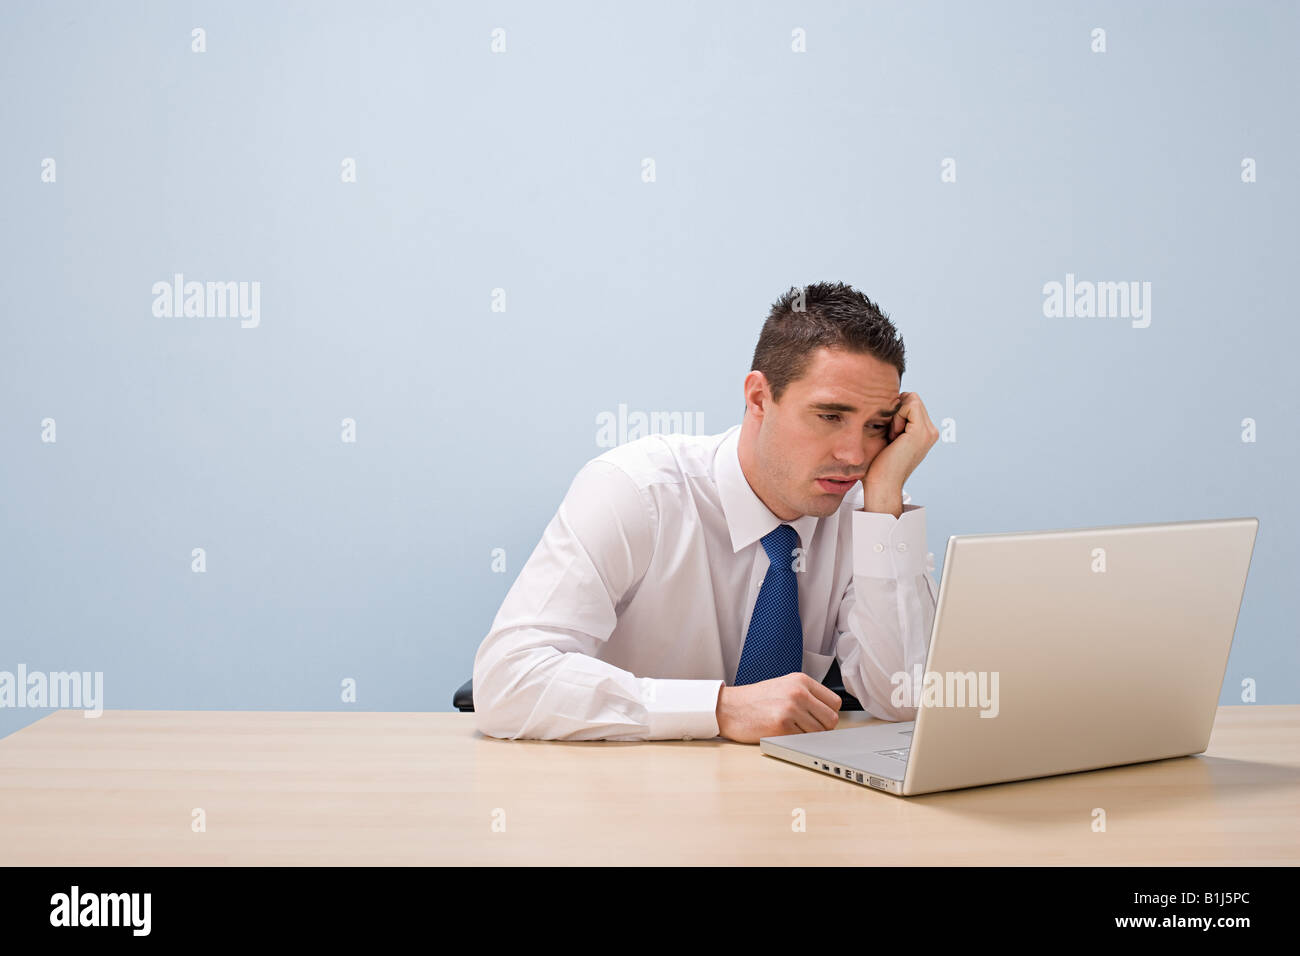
{"x": 631, "y": 612}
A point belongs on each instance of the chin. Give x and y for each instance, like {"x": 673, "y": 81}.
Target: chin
{"x": 824, "y": 506}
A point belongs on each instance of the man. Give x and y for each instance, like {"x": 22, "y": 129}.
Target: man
{"x": 697, "y": 586}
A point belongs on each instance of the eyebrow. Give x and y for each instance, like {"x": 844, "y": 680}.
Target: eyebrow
{"x": 851, "y": 409}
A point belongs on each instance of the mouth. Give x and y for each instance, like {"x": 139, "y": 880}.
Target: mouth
{"x": 836, "y": 486}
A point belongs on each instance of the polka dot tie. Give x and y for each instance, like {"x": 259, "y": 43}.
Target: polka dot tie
{"x": 774, "y": 644}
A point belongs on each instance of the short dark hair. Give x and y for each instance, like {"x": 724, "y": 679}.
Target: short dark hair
{"x": 834, "y": 315}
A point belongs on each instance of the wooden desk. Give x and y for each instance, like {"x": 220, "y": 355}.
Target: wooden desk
{"x": 422, "y": 788}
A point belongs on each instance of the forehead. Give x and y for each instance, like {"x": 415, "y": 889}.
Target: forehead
{"x": 834, "y": 376}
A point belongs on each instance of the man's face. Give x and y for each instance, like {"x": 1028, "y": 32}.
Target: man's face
{"x": 830, "y": 423}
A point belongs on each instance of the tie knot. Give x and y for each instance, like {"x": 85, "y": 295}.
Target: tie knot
{"x": 780, "y": 542}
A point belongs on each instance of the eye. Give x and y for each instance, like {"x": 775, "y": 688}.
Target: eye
{"x": 829, "y": 417}
{"x": 881, "y": 427}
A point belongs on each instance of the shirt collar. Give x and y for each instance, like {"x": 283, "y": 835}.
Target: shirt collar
{"x": 748, "y": 519}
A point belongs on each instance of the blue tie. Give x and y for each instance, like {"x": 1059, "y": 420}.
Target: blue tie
{"x": 774, "y": 645}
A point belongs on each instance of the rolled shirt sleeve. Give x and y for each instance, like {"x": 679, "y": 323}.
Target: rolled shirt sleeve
{"x": 887, "y": 611}
{"x": 536, "y": 674}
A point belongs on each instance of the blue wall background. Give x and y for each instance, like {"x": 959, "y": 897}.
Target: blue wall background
{"x": 522, "y": 171}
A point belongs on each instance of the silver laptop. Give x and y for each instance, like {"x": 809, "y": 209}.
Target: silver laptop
{"x": 1054, "y": 652}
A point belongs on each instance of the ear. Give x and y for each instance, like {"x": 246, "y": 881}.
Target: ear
{"x": 757, "y": 393}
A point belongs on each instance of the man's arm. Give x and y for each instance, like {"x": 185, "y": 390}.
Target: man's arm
{"x": 887, "y": 610}
{"x": 536, "y": 674}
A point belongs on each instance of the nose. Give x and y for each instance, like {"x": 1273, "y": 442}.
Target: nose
{"x": 852, "y": 456}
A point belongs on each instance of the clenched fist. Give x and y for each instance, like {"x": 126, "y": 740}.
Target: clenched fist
{"x": 791, "y": 704}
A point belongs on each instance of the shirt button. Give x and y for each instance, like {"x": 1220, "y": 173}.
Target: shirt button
{"x": 688, "y": 737}
{"x": 879, "y": 546}
{"x": 902, "y": 546}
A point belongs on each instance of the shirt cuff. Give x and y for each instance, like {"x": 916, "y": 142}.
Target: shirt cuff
{"x": 681, "y": 709}
{"x": 889, "y": 547}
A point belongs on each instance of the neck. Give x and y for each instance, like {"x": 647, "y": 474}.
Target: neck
{"x": 747, "y": 451}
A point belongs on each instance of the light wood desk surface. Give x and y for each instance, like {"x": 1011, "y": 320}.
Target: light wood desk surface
{"x": 426, "y": 788}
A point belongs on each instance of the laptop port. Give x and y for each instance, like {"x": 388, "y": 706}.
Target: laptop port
{"x": 859, "y": 778}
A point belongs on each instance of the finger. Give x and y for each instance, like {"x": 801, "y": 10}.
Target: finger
{"x": 919, "y": 414}
{"x": 913, "y": 412}
{"x": 824, "y": 694}
{"x": 924, "y": 426}
{"x": 898, "y": 424}
{"x": 824, "y": 715}
{"x": 805, "y": 724}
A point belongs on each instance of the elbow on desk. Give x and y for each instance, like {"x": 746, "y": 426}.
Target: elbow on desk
{"x": 490, "y": 726}
{"x": 494, "y": 715}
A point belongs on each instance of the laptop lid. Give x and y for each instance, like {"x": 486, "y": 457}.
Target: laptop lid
{"x": 1060, "y": 651}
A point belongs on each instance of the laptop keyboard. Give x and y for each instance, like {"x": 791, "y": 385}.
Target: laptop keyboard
{"x": 899, "y": 753}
